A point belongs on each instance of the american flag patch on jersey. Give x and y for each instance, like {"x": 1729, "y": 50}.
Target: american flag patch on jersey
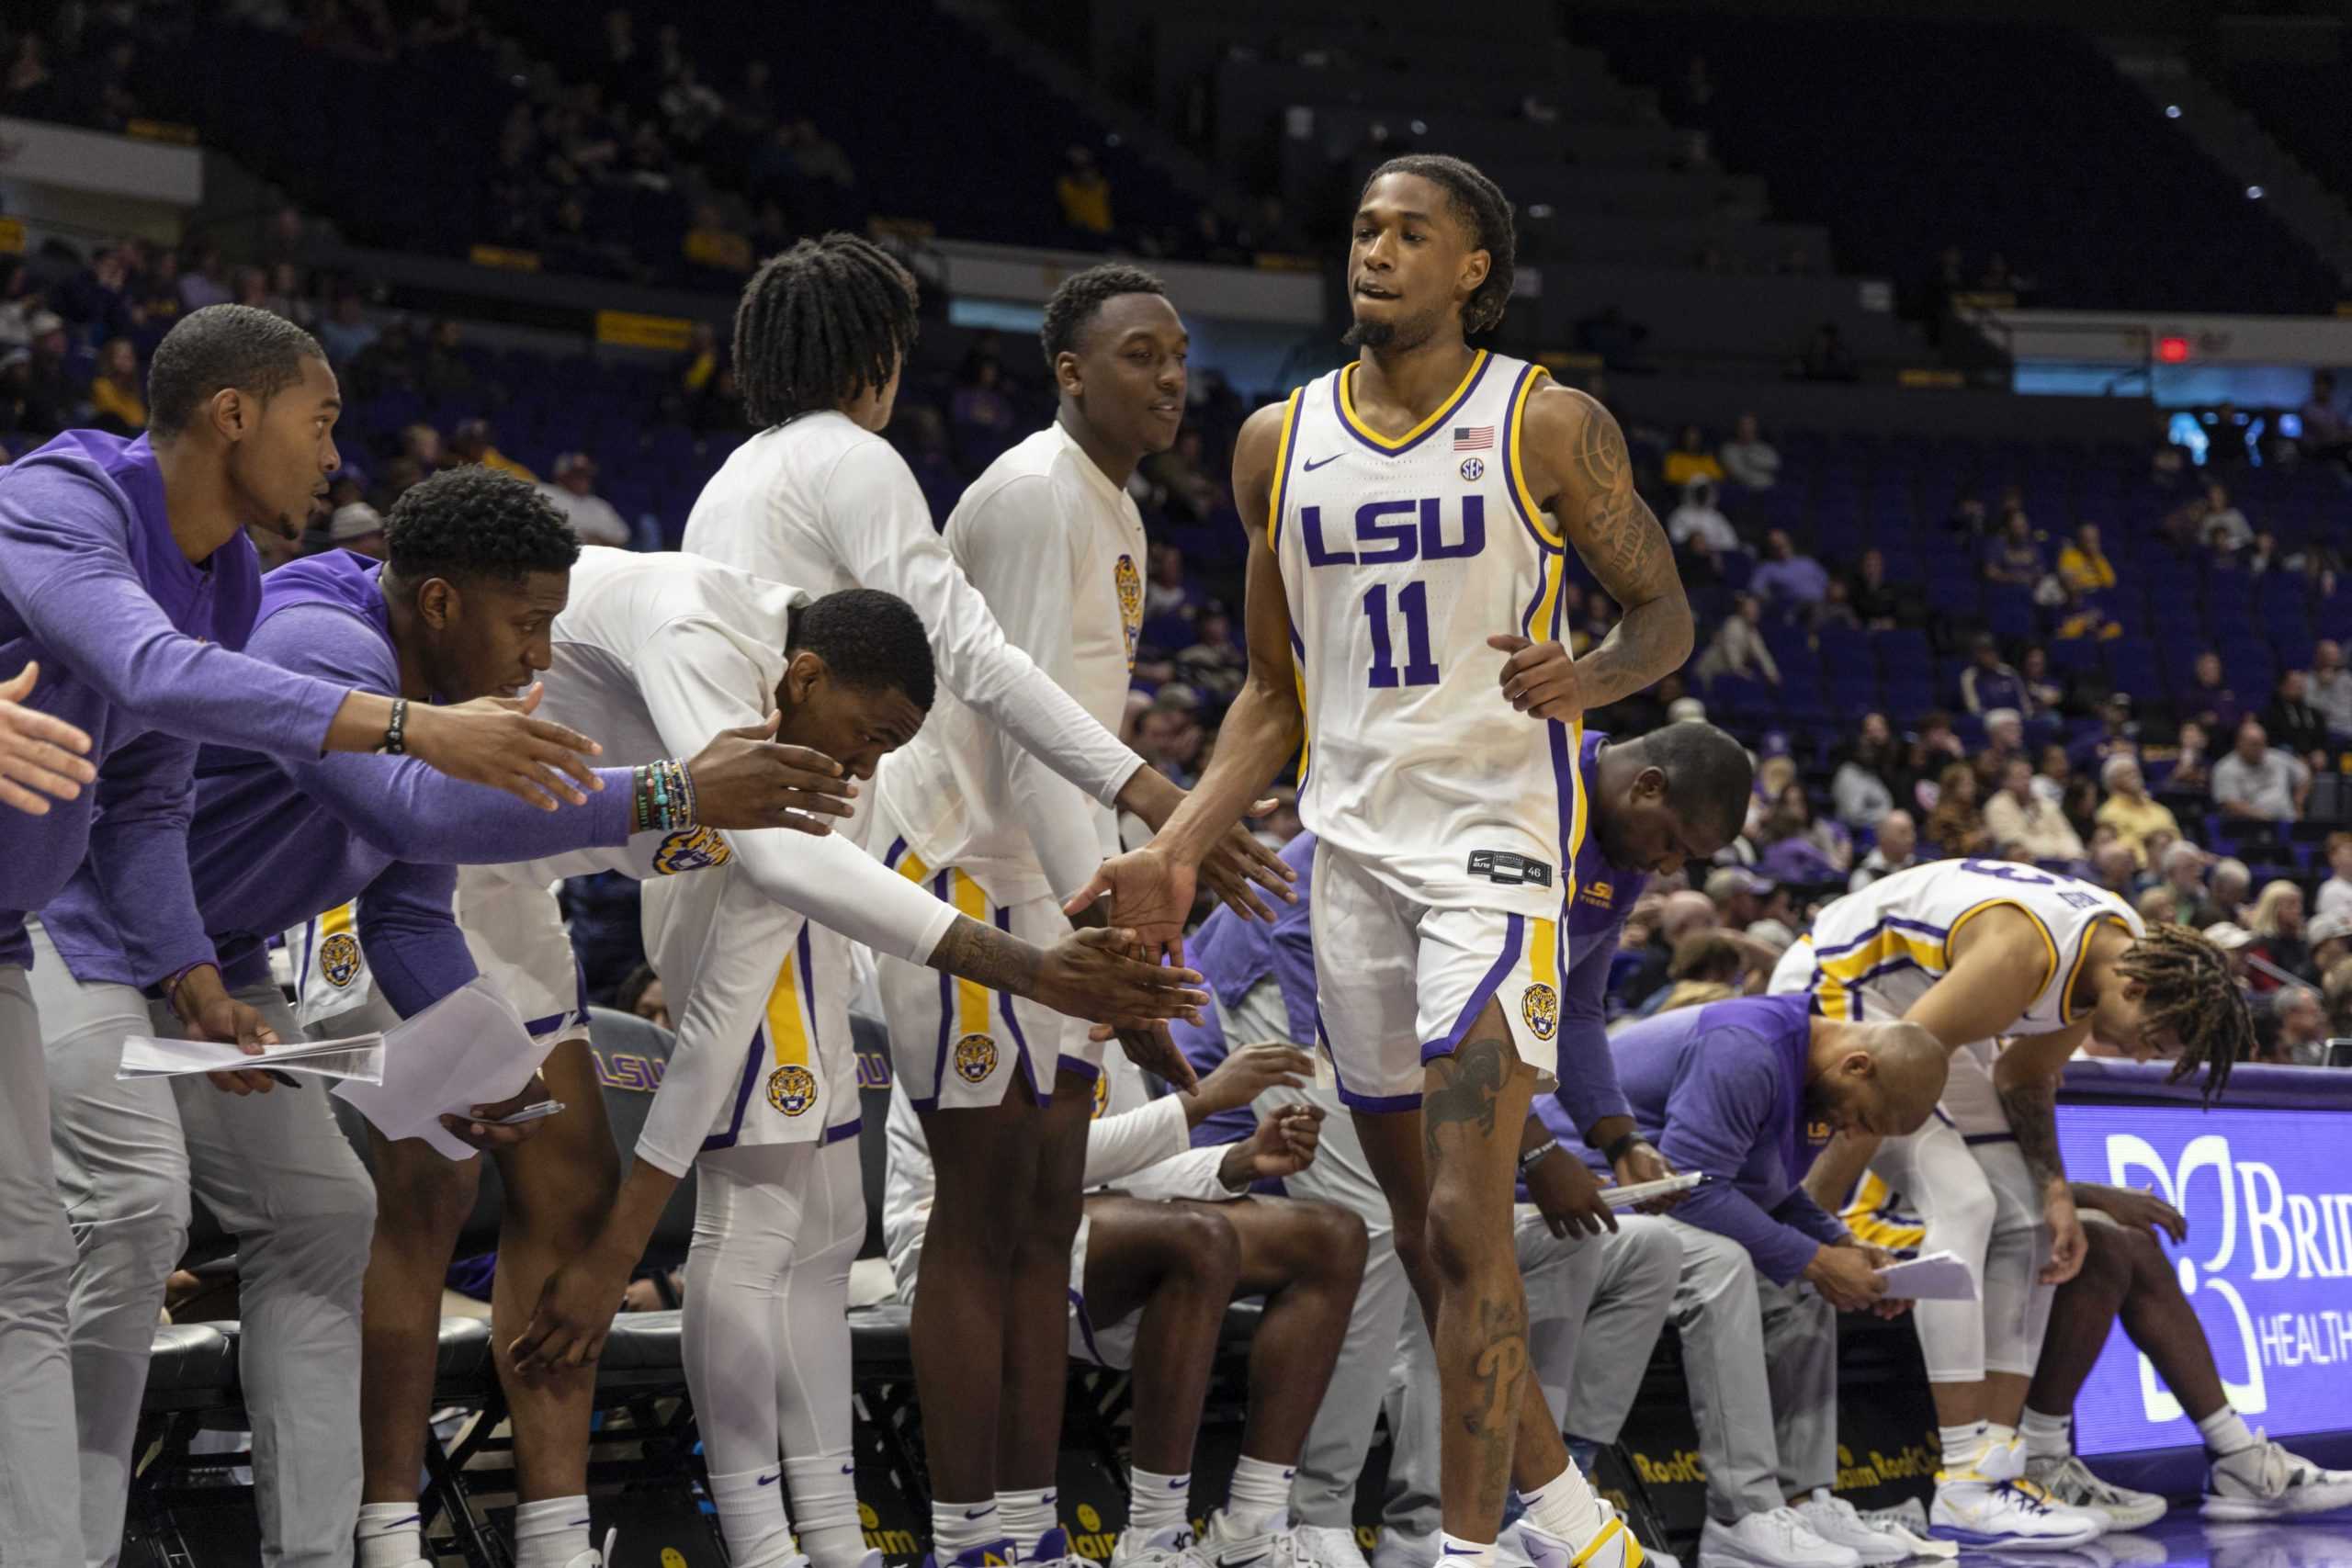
{"x": 1473, "y": 437}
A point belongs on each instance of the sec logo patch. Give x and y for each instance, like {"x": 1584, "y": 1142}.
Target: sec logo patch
{"x": 792, "y": 1089}
{"x": 975, "y": 1057}
{"x": 1541, "y": 1009}
{"x": 339, "y": 959}
{"x": 1473, "y": 469}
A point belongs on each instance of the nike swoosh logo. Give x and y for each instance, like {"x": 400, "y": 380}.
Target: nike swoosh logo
{"x": 396, "y": 1524}
{"x": 1318, "y": 462}
{"x": 771, "y": 1479}
{"x": 980, "y": 1513}
{"x": 848, "y": 1470}
{"x": 1457, "y": 1551}
{"x": 1178, "y": 1484}
{"x": 1245, "y": 1563}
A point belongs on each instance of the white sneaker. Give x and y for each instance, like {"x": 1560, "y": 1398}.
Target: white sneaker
{"x": 1835, "y": 1522}
{"x": 1906, "y": 1525}
{"x": 1612, "y": 1546}
{"x": 1777, "y": 1540}
{"x": 1980, "y": 1506}
{"x": 2265, "y": 1481}
{"x": 597, "y": 1559}
{"x": 1222, "y": 1546}
{"x": 2070, "y": 1480}
{"x": 1171, "y": 1548}
{"x": 1325, "y": 1546}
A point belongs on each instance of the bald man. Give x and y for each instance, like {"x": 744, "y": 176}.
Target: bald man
{"x": 1744, "y": 1092}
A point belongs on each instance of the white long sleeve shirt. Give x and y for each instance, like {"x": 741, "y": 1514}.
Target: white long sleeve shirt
{"x": 654, "y": 655}
{"x": 825, "y": 504}
{"x": 1057, "y": 550}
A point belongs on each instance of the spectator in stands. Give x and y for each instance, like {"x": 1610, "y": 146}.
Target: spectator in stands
{"x": 2017, "y": 815}
{"x": 19, "y": 301}
{"x": 2230, "y": 882}
{"x": 1181, "y": 474}
{"x": 2192, "y": 762}
{"x": 1860, "y": 787}
{"x": 1752, "y": 462}
{"x": 358, "y": 527}
{"x": 1696, "y": 525}
{"x": 2277, "y": 923}
{"x": 1897, "y": 850}
{"x": 2128, "y": 808}
{"x": 641, "y": 993}
{"x": 979, "y": 416}
{"x": 2209, "y": 699}
{"x": 2298, "y": 1034}
{"x": 2335, "y": 892}
{"x": 2117, "y": 736}
{"x": 2328, "y": 938}
{"x": 2052, "y": 775}
{"x": 1690, "y": 459}
{"x": 473, "y": 442}
{"x": 574, "y": 493}
{"x": 1168, "y": 735}
{"x": 1989, "y": 684}
{"x": 1738, "y": 648}
{"x": 1794, "y": 849}
{"x": 118, "y": 393}
{"x": 1216, "y": 664}
{"x": 1786, "y": 576}
{"x": 1707, "y": 967}
{"x": 1085, "y": 195}
{"x": 2254, "y": 782}
{"x": 345, "y": 332}
{"x": 1877, "y": 602}
{"x": 2326, "y": 437}
{"x": 2082, "y": 566}
{"x": 442, "y": 372}
{"x": 2159, "y": 906}
{"x": 2112, "y": 868}
{"x": 1955, "y": 826}
{"x": 2013, "y": 557}
{"x": 2337, "y": 996}
{"x": 2223, "y": 529}
{"x": 2182, "y": 865}
{"x": 1678, "y": 917}
{"x": 2331, "y": 686}
{"x": 2044, "y": 690}
{"x": 52, "y": 381}
{"x": 1170, "y": 595}
{"x": 201, "y": 276}
{"x": 2299, "y": 727}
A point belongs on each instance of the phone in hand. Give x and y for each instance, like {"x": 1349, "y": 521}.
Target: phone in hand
{"x": 534, "y": 1112}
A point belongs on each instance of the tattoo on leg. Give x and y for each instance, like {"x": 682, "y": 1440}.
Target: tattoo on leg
{"x": 1473, "y": 1080}
{"x": 1498, "y": 1372}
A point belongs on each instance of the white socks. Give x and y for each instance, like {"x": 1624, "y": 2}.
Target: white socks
{"x": 1962, "y": 1444}
{"x": 1456, "y": 1553}
{"x": 1562, "y": 1508}
{"x": 1159, "y": 1502}
{"x": 956, "y": 1528}
{"x": 2047, "y": 1437}
{"x": 549, "y": 1534}
{"x": 1026, "y": 1516}
{"x": 824, "y": 1504}
{"x": 1258, "y": 1502}
{"x": 2224, "y": 1433}
{"x": 390, "y": 1535}
{"x": 752, "y": 1516}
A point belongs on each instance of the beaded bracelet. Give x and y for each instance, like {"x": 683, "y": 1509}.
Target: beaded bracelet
{"x": 663, "y": 797}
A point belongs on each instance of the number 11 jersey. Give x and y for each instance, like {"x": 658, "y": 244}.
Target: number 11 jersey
{"x": 1399, "y": 559}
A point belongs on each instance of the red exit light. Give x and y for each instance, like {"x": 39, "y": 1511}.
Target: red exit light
{"x": 2172, "y": 350}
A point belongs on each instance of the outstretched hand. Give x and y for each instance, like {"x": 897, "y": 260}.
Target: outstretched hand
{"x": 1151, "y": 896}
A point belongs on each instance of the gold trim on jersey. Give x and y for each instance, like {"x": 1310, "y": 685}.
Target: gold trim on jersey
{"x": 2049, "y": 942}
{"x": 971, "y": 997}
{"x": 2066, "y": 1013}
{"x": 1396, "y": 442}
{"x": 1517, "y": 449}
{"x": 1864, "y": 1216}
{"x": 789, "y": 1030}
{"x": 1275, "y": 495}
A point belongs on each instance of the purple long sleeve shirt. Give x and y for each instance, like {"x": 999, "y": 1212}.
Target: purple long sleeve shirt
{"x": 271, "y": 841}
{"x": 132, "y": 637}
{"x": 1719, "y": 1089}
{"x": 1235, "y": 954}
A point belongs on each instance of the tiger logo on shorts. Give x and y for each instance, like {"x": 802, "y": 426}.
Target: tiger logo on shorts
{"x": 339, "y": 959}
{"x": 975, "y": 1057}
{"x": 792, "y": 1089}
{"x": 691, "y": 849}
{"x": 1540, "y": 1009}
{"x": 1130, "y": 583}
{"x": 1101, "y": 1095}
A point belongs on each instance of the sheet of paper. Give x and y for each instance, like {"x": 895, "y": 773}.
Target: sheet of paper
{"x": 357, "y": 1057}
{"x": 467, "y": 1049}
{"x": 1643, "y": 1191}
{"x": 1937, "y": 1277}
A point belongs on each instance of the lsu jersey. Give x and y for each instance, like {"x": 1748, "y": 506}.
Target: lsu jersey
{"x": 1400, "y": 557}
{"x": 1873, "y": 954}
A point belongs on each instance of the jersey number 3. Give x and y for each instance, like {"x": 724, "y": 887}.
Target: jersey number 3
{"x": 1413, "y": 605}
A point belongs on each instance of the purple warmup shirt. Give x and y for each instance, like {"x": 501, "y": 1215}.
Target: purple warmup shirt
{"x": 131, "y": 638}
{"x": 1719, "y": 1089}
{"x": 274, "y": 842}
{"x": 1235, "y": 954}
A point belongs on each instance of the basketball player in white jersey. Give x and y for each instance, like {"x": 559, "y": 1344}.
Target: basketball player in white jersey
{"x": 1409, "y": 518}
{"x": 1975, "y": 950}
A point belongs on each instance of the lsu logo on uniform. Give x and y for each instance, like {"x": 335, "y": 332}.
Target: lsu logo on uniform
{"x": 339, "y": 959}
{"x": 1101, "y": 1095}
{"x": 1418, "y": 533}
{"x": 975, "y": 1057}
{"x": 1541, "y": 1009}
{"x": 1130, "y": 585}
{"x": 691, "y": 849}
{"x": 792, "y": 1088}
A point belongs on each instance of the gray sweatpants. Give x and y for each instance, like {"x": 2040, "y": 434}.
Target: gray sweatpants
{"x": 276, "y": 1171}
{"x": 1595, "y": 1307}
{"x": 1760, "y": 1361}
{"x": 41, "y": 1521}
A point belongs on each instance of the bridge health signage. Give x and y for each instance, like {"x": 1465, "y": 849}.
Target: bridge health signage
{"x": 2266, "y": 1265}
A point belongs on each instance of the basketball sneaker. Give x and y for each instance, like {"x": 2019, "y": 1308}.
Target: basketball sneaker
{"x": 1780, "y": 1539}
{"x": 2070, "y": 1481}
{"x": 1990, "y": 1503}
{"x": 1907, "y": 1524}
{"x": 1834, "y": 1520}
{"x": 1612, "y": 1546}
{"x": 1003, "y": 1550}
{"x": 2265, "y": 1481}
{"x": 1325, "y": 1546}
{"x": 1051, "y": 1551}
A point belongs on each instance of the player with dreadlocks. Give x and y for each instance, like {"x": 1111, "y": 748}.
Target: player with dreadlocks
{"x": 1410, "y": 517}
{"x": 1981, "y": 951}
{"x": 817, "y": 499}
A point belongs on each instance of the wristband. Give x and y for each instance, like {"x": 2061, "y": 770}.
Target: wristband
{"x": 1619, "y": 1148}
{"x": 396, "y": 732}
{"x": 1528, "y": 1159}
{"x": 173, "y": 981}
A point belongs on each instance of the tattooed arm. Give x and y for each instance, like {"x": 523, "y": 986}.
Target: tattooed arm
{"x": 1577, "y": 465}
{"x": 2025, "y": 1078}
